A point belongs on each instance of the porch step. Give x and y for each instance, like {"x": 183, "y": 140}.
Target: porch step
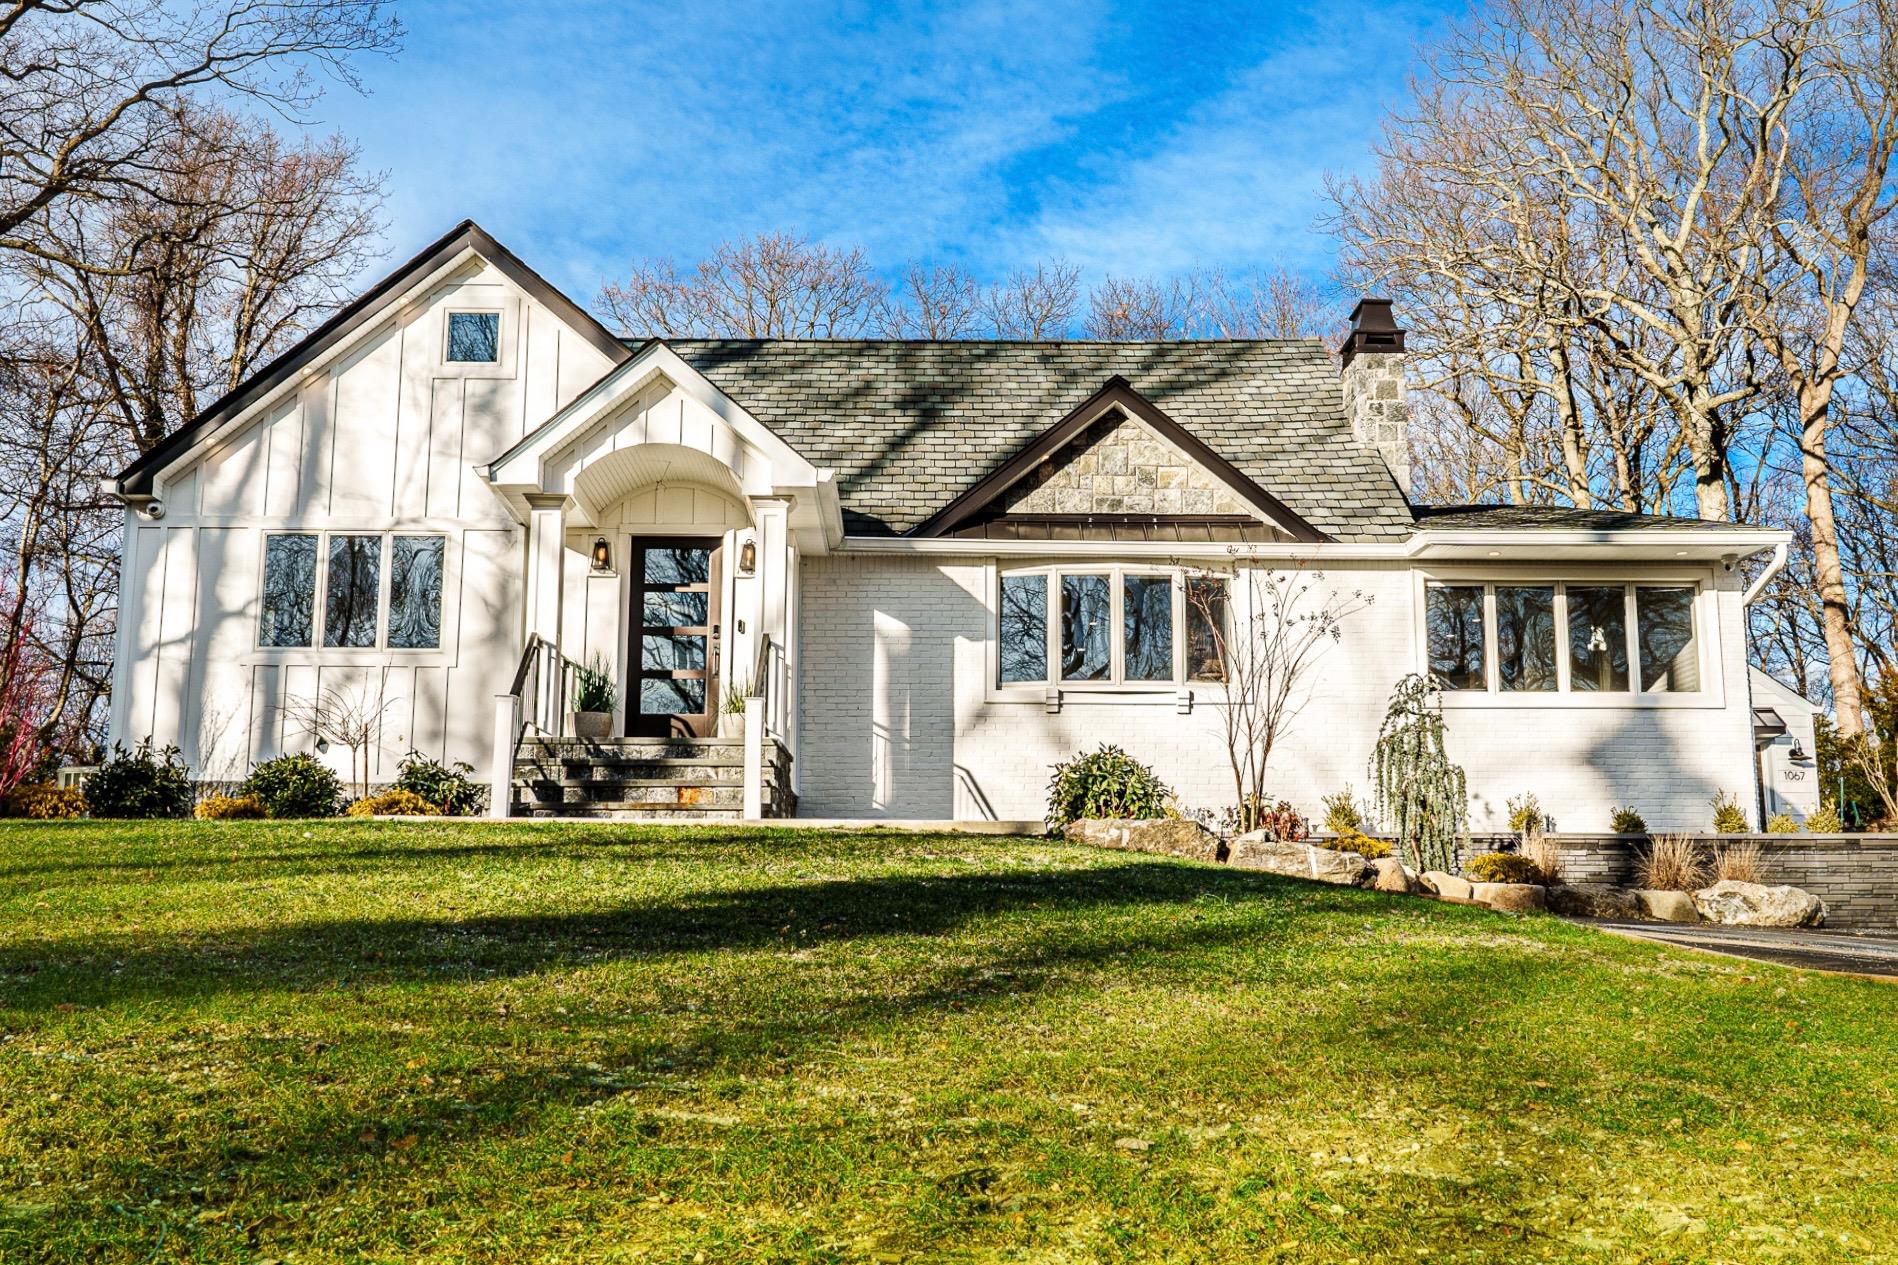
{"x": 666, "y": 779}
{"x": 644, "y": 812}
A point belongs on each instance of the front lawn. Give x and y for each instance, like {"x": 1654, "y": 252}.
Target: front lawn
{"x": 464, "y": 1041}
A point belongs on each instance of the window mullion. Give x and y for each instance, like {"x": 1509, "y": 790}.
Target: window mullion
{"x": 1628, "y": 618}
{"x": 1492, "y": 660}
{"x": 1053, "y": 609}
{"x": 1561, "y": 639}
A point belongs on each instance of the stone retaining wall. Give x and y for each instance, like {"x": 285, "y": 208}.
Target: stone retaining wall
{"x": 1855, "y": 875}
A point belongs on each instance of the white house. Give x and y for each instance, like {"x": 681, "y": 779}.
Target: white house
{"x": 924, "y": 571}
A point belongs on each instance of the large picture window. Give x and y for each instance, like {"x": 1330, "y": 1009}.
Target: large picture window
{"x": 1582, "y": 638}
{"x": 341, "y": 576}
{"x": 1108, "y": 626}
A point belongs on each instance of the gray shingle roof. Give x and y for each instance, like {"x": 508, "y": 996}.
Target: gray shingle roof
{"x": 910, "y": 425}
{"x": 1558, "y": 518}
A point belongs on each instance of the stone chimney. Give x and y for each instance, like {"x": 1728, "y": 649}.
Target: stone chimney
{"x": 1373, "y": 382}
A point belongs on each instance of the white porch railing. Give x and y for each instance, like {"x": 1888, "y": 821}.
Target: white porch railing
{"x": 536, "y": 700}
{"x": 767, "y": 715}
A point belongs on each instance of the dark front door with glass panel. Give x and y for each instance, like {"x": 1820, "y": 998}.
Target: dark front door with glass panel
{"x": 675, "y": 639}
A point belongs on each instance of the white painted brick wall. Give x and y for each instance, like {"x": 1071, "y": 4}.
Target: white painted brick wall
{"x": 894, "y": 722}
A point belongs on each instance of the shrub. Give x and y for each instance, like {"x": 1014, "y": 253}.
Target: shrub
{"x": 140, "y": 785}
{"x": 1420, "y": 793}
{"x": 1672, "y": 863}
{"x": 1826, "y": 821}
{"x": 593, "y": 688}
{"x": 394, "y": 803}
{"x": 294, "y": 786}
{"x": 1525, "y": 814}
{"x": 1342, "y": 814}
{"x": 1626, "y": 821}
{"x": 232, "y": 808}
{"x": 43, "y": 801}
{"x": 1501, "y": 867}
{"x": 1282, "y": 822}
{"x": 1728, "y": 817}
{"x": 1544, "y": 855}
{"x": 1781, "y": 824}
{"x": 1370, "y": 847}
{"x": 447, "y": 787}
{"x": 1743, "y": 862}
{"x": 1104, "y": 783}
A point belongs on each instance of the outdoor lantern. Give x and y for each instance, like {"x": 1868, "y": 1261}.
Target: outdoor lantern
{"x": 748, "y": 558}
{"x": 602, "y": 554}
{"x": 1798, "y": 752}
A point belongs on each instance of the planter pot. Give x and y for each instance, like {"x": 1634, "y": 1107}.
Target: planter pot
{"x": 593, "y": 725}
{"x": 731, "y": 724}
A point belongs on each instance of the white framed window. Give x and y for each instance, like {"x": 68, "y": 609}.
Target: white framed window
{"x": 472, "y": 337}
{"x": 352, "y": 590}
{"x": 1604, "y": 639}
{"x": 1106, "y": 627}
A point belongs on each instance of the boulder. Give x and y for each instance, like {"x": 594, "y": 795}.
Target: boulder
{"x": 1166, "y": 836}
{"x": 1666, "y": 906}
{"x": 1259, "y": 851}
{"x": 1512, "y": 898}
{"x": 1735, "y": 904}
{"x": 1388, "y": 875}
{"x": 1593, "y": 900}
{"x": 1444, "y": 884}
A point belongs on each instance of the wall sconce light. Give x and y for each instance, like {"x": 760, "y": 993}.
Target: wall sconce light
{"x": 748, "y": 558}
{"x": 1798, "y": 752}
{"x": 602, "y": 554}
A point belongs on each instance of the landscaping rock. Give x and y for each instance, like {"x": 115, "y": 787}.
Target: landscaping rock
{"x": 1444, "y": 884}
{"x": 1388, "y": 875}
{"x": 1259, "y": 851}
{"x": 1593, "y": 900}
{"x": 1735, "y": 904}
{"x": 1512, "y": 898}
{"x": 1665, "y": 906}
{"x": 1165, "y": 836}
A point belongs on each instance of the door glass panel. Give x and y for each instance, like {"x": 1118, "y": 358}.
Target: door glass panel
{"x": 1086, "y": 626}
{"x": 678, "y": 566}
{"x": 679, "y": 652}
{"x": 1147, "y": 611}
{"x": 670, "y": 696}
{"x": 1598, "y": 638}
{"x": 1525, "y": 637}
{"x": 677, "y": 610}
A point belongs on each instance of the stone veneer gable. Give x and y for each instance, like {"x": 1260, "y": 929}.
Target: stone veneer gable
{"x": 1120, "y": 465}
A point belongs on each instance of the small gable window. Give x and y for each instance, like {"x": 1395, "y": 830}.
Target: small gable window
{"x": 1107, "y": 627}
{"x": 474, "y": 338}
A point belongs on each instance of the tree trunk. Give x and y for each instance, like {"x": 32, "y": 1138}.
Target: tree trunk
{"x": 1708, "y": 448}
{"x": 1574, "y": 442}
{"x": 1815, "y": 401}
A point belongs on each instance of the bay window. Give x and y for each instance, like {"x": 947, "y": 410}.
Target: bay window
{"x": 364, "y": 603}
{"x": 1108, "y": 626}
{"x": 1577, "y": 638}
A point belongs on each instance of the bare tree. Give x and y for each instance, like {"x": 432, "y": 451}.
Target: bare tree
{"x": 1034, "y": 304}
{"x": 350, "y": 719}
{"x": 933, "y": 302}
{"x": 774, "y": 285}
{"x": 1279, "y": 624}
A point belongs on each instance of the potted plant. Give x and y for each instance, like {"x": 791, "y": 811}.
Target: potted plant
{"x": 594, "y": 698}
{"x": 731, "y": 712}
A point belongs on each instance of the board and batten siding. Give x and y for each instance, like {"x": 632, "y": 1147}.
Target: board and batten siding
{"x": 385, "y": 437}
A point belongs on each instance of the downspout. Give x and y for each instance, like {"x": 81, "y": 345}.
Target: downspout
{"x": 1747, "y": 599}
{"x": 1767, "y": 576}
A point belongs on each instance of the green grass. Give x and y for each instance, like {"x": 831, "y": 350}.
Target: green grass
{"x": 242, "y": 1042}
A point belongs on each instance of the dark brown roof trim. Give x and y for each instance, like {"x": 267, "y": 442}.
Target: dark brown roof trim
{"x": 136, "y": 479}
{"x": 1117, "y": 392}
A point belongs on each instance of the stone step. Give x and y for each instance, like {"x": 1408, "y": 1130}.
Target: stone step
{"x": 670, "y": 793}
{"x": 633, "y": 748}
{"x": 643, "y": 771}
{"x": 643, "y": 812}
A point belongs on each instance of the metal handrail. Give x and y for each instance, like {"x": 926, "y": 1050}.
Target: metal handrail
{"x": 769, "y": 685}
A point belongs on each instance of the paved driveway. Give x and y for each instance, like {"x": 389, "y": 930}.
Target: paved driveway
{"x": 1813, "y": 950}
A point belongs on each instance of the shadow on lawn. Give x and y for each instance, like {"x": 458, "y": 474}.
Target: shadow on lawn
{"x": 99, "y": 969}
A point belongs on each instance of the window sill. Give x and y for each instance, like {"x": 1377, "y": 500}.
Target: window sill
{"x": 304, "y": 656}
{"x": 1551, "y": 700}
{"x": 1157, "y": 694}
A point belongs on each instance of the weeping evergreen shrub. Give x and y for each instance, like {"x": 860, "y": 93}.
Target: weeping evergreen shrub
{"x": 1419, "y": 792}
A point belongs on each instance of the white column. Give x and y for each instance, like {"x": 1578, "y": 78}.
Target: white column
{"x": 546, "y": 530}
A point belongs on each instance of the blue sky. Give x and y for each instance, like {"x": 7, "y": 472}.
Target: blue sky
{"x": 1127, "y": 139}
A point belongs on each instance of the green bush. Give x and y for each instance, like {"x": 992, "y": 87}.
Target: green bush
{"x": 1781, "y": 824}
{"x": 447, "y": 787}
{"x": 231, "y": 808}
{"x": 140, "y": 785}
{"x": 1626, "y": 821}
{"x": 294, "y": 786}
{"x": 1369, "y": 847}
{"x": 43, "y": 801}
{"x": 1105, "y": 783}
{"x": 1826, "y": 821}
{"x": 1502, "y": 867}
{"x": 1341, "y": 812}
{"x": 1525, "y": 814}
{"x": 1728, "y": 817}
{"x": 394, "y": 803}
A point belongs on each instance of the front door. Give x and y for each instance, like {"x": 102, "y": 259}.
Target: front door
{"x": 674, "y": 687}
